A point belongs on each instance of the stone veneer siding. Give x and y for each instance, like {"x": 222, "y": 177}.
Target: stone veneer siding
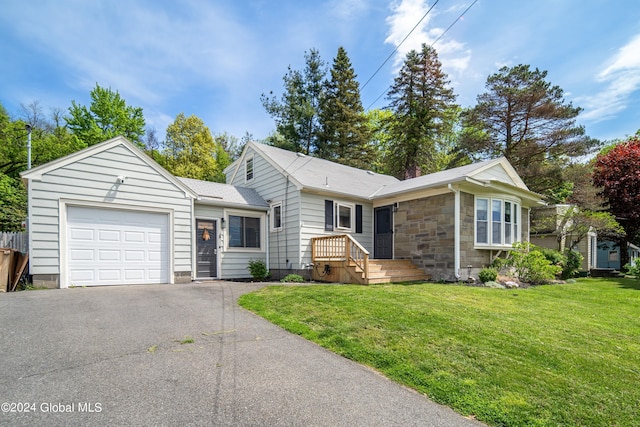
{"x": 425, "y": 234}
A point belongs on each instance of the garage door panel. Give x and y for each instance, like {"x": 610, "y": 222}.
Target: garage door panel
{"x": 134, "y": 275}
{"x": 130, "y": 256}
{"x": 81, "y": 276}
{"x": 82, "y": 255}
{"x": 109, "y": 235}
{"x": 134, "y": 236}
{"x": 108, "y": 255}
{"x": 77, "y": 233}
{"x": 109, "y": 246}
{"x": 105, "y": 274}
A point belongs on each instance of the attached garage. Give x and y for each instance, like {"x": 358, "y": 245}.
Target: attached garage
{"x": 108, "y": 215}
{"x": 116, "y": 246}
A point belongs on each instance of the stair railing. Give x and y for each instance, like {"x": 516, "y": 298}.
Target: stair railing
{"x": 341, "y": 247}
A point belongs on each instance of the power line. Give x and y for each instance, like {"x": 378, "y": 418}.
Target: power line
{"x": 436, "y": 40}
{"x": 400, "y": 44}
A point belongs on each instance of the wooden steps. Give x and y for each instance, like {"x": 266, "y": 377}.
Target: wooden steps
{"x": 392, "y": 270}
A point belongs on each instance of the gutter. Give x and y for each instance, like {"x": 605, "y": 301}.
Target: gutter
{"x": 456, "y": 237}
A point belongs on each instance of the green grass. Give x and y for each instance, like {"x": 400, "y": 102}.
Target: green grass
{"x": 548, "y": 355}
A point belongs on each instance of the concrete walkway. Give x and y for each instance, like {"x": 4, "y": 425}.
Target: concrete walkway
{"x": 182, "y": 355}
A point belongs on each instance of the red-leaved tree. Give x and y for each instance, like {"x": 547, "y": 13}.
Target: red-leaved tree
{"x": 617, "y": 174}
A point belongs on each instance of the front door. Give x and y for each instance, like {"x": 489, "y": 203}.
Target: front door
{"x": 206, "y": 247}
{"x": 383, "y": 237}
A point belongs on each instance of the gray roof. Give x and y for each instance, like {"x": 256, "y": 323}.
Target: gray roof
{"x": 326, "y": 176}
{"x": 225, "y": 193}
{"x": 436, "y": 179}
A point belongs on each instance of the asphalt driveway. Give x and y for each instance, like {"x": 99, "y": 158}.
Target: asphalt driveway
{"x": 182, "y": 355}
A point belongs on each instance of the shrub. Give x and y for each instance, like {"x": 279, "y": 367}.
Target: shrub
{"x": 293, "y": 278}
{"x": 554, "y": 257}
{"x": 258, "y": 269}
{"x": 530, "y": 264}
{"x": 488, "y": 274}
{"x": 633, "y": 269}
{"x": 572, "y": 266}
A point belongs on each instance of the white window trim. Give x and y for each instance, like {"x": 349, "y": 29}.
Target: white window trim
{"x": 336, "y": 217}
{"x": 272, "y": 226}
{"x": 253, "y": 169}
{"x": 516, "y": 213}
{"x": 227, "y": 239}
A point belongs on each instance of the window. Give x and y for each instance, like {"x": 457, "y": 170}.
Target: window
{"x": 244, "y": 232}
{"x": 502, "y": 229}
{"x": 276, "y": 217}
{"x": 482, "y": 224}
{"x": 613, "y": 256}
{"x": 343, "y": 216}
{"x": 248, "y": 167}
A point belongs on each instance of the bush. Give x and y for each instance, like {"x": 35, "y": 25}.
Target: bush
{"x": 488, "y": 274}
{"x": 530, "y": 264}
{"x": 258, "y": 269}
{"x": 633, "y": 269}
{"x": 293, "y": 278}
{"x": 572, "y": 266}
{"x": 554, "y": 257}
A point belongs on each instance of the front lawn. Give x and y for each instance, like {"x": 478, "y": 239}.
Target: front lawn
{"x": 548, "y": 355}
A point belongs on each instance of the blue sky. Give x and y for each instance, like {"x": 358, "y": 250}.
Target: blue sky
{"x": 215, "y": 58}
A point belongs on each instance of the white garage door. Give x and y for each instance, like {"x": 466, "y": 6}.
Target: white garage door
{"x": 116, "y": 247}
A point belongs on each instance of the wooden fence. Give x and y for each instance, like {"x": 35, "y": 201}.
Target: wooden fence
{"x": 15, "y": 240}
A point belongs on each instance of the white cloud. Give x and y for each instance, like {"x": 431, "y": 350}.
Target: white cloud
{"x": 622, "y": 79}
{"x": 453, "y": 55}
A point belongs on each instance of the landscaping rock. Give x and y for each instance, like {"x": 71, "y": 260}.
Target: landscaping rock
{"x": 511, "y": 285}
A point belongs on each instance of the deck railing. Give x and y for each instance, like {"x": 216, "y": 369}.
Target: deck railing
{"x": 340, "y": 247}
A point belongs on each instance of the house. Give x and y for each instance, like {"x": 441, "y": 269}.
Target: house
{"x": 109, "y": 214}
{"x": 553, "y": 228}
{"x": 609, "y": 257}
{"x": 448, "y": 224}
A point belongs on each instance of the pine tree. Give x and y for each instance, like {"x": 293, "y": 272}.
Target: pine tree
{"x": 344, "y": 136}
{"x": 422, "y": 104}
{"x": 523, "y": 117}
{"x": 296, "y": 113}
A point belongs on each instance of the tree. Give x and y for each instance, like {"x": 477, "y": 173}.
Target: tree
{"x": 13, "y": 203}
{"x": 377, "y": 122}
{"x": 344, "y": 136}
{"x": 296, "y": 113}
{"x": 617, "y": 173}
{"x": 49, "y": 141}
{"x": 571, "y": 224}
{"x": 108, "y": 116}
{"x": 523, "y": 117}
{"x": 191, "y": 152}
{"x": 422, "y": 104}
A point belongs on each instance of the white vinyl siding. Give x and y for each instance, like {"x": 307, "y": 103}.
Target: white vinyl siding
{"x": 313, "y": 222}
{"x": 274, "y": 186}
{"x": 93, "y": 180}
{"x": 233, "y": 263}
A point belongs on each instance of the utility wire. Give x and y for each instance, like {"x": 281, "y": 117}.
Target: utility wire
{"x": 436, "y": 40}
{"x": 400, "y": 44}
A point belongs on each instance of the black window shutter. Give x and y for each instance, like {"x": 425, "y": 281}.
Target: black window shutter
{"x": 328, "y": 215}
{"x": 358, "y": 218}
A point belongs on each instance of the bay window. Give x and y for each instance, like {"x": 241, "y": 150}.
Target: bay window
{"x": 496, "y": 222}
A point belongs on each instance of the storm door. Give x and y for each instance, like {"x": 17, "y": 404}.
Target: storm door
{"x": 383, "y": 236}
{"x": 206, "y": 248}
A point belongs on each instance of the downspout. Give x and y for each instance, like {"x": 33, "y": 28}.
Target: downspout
{"x": 456, "y": 237}
{"x": 267, "y": 232}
